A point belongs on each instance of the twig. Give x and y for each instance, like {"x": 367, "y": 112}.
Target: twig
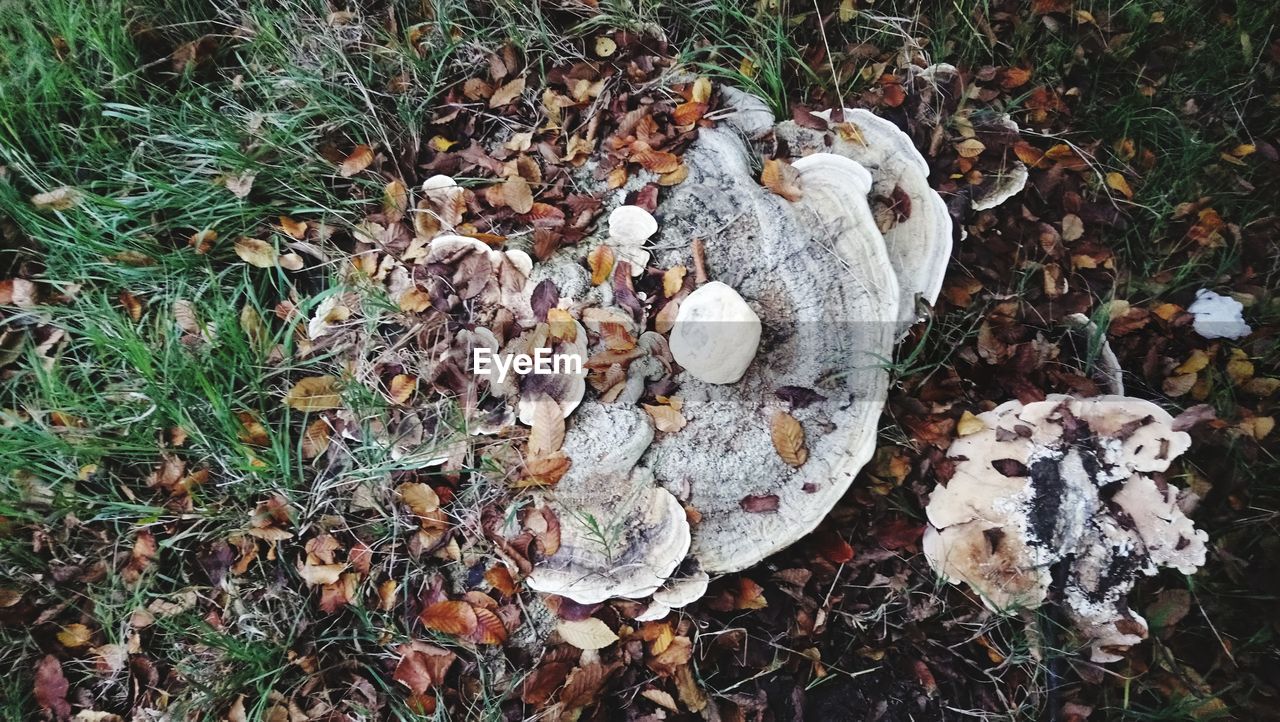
{"x": 699, "y": 262}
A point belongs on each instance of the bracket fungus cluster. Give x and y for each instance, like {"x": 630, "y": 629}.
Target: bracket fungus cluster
{"x": 1065, "y": 497}
{"x": 768, "y": 363}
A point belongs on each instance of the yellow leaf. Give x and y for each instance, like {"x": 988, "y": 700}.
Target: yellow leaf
{"x": 788, "y": 439}
{"x": 1194, "y": 363}
{"x": 1239, "y": 367}
{"x": 1259, "y": 427}
{"x": 256, "y": 252}
{"x": 395, "y": 200}
{"x": 970, "y": 148}
{"x": 1117, "y": 182}
{"x": 562, "y": 325}
{"x": 969, "y": 424}
{"x": 402, "y": 387}
{"x": 295, "y": 229}
{"x": 601, "y": 262}
{"x": 701, "y": 90}
{"x": 359, "y": 159}
{"x": 587, "y": 634}
{"x": 605, "y": 47}
{"x": 314, "y": 393}
{"x": 440, "y": 144}
{"x": 74, "y": 636}
{"x": 673, "y": 280}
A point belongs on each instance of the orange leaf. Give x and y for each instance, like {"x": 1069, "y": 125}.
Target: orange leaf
{"x": 456, "y": 618}
{"x": 402, "y": 387}
{"x": 601, "y": 262}
{"x": 489, "y": 628}
{"x": 359, "y": 159}
{"x": 780, "y": 178}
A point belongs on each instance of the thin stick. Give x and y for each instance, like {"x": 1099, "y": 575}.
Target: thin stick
{"x": 699, "y": 262}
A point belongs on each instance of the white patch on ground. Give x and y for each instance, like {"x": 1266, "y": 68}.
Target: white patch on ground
{"x": 1218, "y": 316}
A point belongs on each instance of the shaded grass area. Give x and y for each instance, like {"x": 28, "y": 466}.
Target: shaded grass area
{"x": 92, "y": 97}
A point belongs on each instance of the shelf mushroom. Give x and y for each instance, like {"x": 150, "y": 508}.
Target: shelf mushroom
{"x": 914, "y": 219}
{"x": 1065, "y": 481}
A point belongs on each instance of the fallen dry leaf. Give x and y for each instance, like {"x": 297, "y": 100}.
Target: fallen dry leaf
{"x": 507, "y": 93}
{"x": 517, "y": 194}
{"x": 600, "y": 261}
{"x": 359, "y": 159}
{"x": 780, "y": 178}
{"x": 314, "y": 393}
{"x": 788, "y": 439}
{"x": 256, "y": 252}
{"x": 588, "y": 634}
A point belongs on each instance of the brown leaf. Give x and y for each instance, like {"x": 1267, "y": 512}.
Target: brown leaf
{"x": 759, "y": 503}
{"x": 517, "y": 194}
{"x": 547, "y": 432}
{"x": 782, "y": 179}
{"x": 131, "y": 305}
{"x": 451, "y": 617}
{"x": 359, "y": 159}
{"x": 788, "y": 439}
{"x": 507, "y": 93}
{"x": 544, "y": 470}
{"x": 665, "y": 418}
{"x": 658, "y": 161}
{"x": 422, "y": 666}
{"x": 144, "y": 552}
{"x": 1011, "y": 78}
{"x": 51, "y": 687}
{"x": 543, "y": 682}
{"x": 203, "y": 240}
{"x": 420, "y": 498}
{"x": 58, "y": 199}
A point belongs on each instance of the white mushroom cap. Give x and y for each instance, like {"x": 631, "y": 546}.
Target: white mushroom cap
{"x": 621, "y": 535}
{"x": 629, "y": 228}
{"x": 715, "y": 335}
{"x": 919, "y": 245}
{"x": 631, "y": 225}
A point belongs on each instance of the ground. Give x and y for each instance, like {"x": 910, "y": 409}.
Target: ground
{"x": 174, "y": 540}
